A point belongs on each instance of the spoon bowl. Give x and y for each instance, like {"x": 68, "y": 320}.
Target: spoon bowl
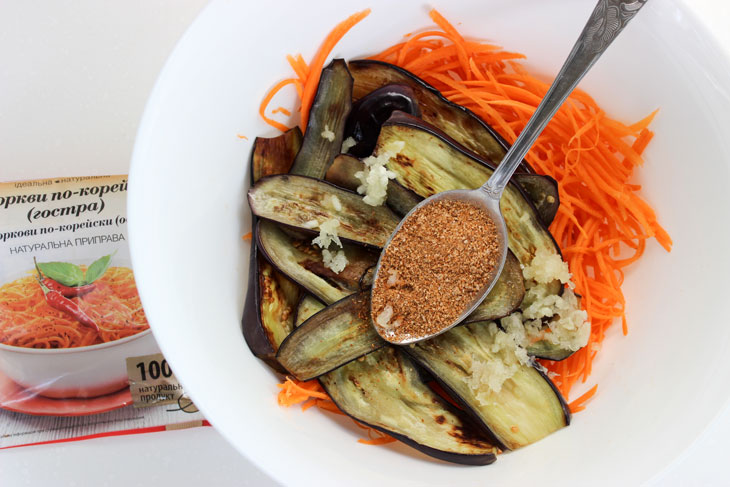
{"x": 608, "y": 19}
{"x": 488, "y": 205}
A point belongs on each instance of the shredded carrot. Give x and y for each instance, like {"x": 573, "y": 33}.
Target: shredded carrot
{"x": 269, "y": 96}
{"x": 281, "y": 110}
{"x": 295, "y": 392}
{"x": 307, "y": 75}
{"x": 311, "y": 393}
{"x": 602, "y": 224}
{"x": 579, "y": 404}
{"x": 247, "y": 237}
{"x": 317, "y": 63}
{"x": 381, "y": 440}
{"x": 27, "y": 320}
{"x": 241, "y": 136}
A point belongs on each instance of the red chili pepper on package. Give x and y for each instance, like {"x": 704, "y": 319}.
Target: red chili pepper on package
{"x": 57, "y": 301}
{"x": 68, "y": 291}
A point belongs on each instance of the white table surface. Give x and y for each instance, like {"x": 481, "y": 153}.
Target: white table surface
{"x": 74, "y": 79}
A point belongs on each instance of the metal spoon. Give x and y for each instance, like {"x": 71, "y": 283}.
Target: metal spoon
{"x": 608, "y": 19}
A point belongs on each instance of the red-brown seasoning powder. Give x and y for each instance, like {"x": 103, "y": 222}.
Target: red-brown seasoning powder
{"x": 435, "y": 266}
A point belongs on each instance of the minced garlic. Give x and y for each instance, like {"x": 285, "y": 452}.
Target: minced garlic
{"x": 336, "y": 261}
{"x": 567, "y": 325}
{"x": 310, "y": 224}
{"x": 347, "y": 144}
{"x": 375, "y": 176}
{"x": 506, "y": 357}
{"x": 546, "y": 267}
{"x": 333, "y": 202}
{"x": 328, "y": 134}
{"x": 392, "y": 277}
{"x": 328, "y": 234}
{"x": 383, "y": 318}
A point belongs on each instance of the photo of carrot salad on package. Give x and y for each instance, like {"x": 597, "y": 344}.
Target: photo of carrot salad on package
{"x": 75, "y": 343}
{"x": 358, "y": 330}
{"x": 62, "y": 305}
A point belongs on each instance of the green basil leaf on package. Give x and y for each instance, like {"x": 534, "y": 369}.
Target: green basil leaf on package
{"x": 63, "y": 272}
{"x": 97, "y": 268}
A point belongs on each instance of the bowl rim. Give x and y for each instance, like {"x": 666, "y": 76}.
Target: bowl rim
{"x": 141, "y": 153}
{"x": 86, "y": 348}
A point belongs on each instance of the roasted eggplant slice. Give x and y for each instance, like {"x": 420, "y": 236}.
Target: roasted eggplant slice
{"x": 342, "y": 173}
{"x": 326, "y": 123}
{"x": 429, "y": 163}
{"x": 384, "y": 391}
{"x": 275, "y": 155}
{"x": 463, "y": 360}
{"x": 506, "y": 295}
{"x": 271, "y": 297}
{"x": 332, "y": 337}
{"x": 308, "y": 305}
{"x": 262, "y": 338}
{"x": 370, "y": 111}
{"x": 302, "y": 262}
{"x": 543, "y": 193}
{"x": 276, "y": 303}
{"x": 459, "y": 123}
{"x": 303, "y": 203}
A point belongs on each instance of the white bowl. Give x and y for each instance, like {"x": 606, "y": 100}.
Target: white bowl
{"x": 78, "y": 372}
{"x": 658, "y": 388}
{"x": 81, "y": 372}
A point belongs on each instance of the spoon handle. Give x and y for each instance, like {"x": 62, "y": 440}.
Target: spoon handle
{"x": 606, "y": 22}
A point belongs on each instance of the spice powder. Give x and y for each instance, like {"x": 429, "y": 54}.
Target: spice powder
{"x": 433, "y": 269}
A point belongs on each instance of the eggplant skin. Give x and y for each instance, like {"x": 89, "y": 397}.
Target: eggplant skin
{"x": 274, "y": 155}
{"x": 263, "y": 331}
{"x": 342, "y": 172}
{"x": 253, "y": 332}
{"x": 543, "y": 193}
{"x": 329, "y": 111}
{"x": 546, "y": 350}
{"x": 506, "y": 295}
{"x": 462, "y": 125}
{"x": 370, "y": 111}
{"x": 384, "y": 391}
{"x": 477, "y": 460}
{"x": 567, "y": 415}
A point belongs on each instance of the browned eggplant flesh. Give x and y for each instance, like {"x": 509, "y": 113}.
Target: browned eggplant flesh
{"x": 385, "y": 392}
{"x": 305, "y": 203}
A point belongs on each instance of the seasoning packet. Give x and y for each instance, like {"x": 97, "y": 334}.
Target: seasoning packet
{"x": 77, "y": 357}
